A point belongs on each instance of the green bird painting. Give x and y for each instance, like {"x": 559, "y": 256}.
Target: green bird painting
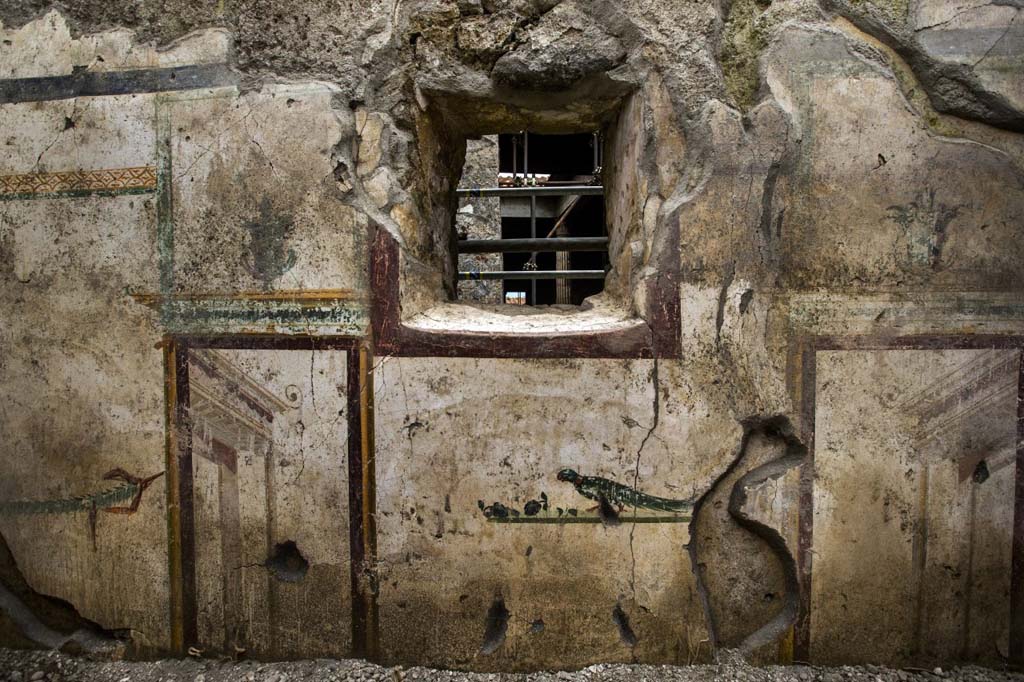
{"x": 595, "y": 488}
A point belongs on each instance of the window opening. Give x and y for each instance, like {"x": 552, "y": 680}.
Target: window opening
{"x": 553, "y": 239}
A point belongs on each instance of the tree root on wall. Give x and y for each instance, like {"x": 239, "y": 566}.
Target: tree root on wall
{"x": 32, "y": 620}
{"x": 728, "y": 620}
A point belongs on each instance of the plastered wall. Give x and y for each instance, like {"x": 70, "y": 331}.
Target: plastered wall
{"x": 241, "y": 414}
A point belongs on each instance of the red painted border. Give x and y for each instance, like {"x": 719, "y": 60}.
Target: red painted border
{"x": 660, "y": 337}
{"x": 805, "y": 519}
{"x": 805, "y": 524}
{"x": 1017, "y": 556}
{"x": 356, "y": 529}
{"x": 183, "y": 425}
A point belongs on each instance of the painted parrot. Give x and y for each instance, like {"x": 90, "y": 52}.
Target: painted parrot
{"x": 595, "y": 487}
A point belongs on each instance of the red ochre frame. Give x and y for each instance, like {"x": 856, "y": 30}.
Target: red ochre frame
{"x": 805, "y": 360}
{"x": 361, "y": 494}
{"x": 659, "y": 337}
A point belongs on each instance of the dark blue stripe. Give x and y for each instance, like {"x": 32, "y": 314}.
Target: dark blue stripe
{"x": 99, "y": 83}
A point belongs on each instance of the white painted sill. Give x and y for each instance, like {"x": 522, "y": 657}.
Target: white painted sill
{"x": 513, "y": 320}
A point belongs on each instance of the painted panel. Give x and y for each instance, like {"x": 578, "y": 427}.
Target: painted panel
{"x": 255, "y": 202}
{"x": 491, "y": 475}
{"x": 88, "y": 400}
{"x": 877, "y": 194}
{"x": 913, "y": 504}
{"x": 270, "y": 476}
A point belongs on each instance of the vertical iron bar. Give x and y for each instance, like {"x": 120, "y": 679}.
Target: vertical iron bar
{"x": 533, "y": 212}
{"x": 515, "y": 159}
{"x": 605, "y": 259}
{"x": 515, "y": 168}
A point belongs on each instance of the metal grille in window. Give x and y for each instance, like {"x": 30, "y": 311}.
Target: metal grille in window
{"x": 553, "y": 241}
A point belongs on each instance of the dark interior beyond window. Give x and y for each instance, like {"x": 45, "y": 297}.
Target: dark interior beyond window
{"x": 553, "y": 241}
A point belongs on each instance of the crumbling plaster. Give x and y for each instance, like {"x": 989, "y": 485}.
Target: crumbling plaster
{"x": 810, "y": 168}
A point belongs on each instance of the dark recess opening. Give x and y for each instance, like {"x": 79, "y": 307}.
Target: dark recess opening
{"x": 530, "y": 159}
{"x": 496, "y": 626}
{"x": 287, "y": 563}
{"x": 621, "y": 621}
{"x": 563, "y": 156}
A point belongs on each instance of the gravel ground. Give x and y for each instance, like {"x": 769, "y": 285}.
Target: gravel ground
{"x": 49, "y": 666}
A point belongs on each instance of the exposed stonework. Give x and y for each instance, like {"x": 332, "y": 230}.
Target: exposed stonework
{"x": 966, "y": 80}
{"x": 730, "y": 559}
{"x": 547, "y": 56}
{"x": 31, "y": 620}
{"x": 480, "y": 218}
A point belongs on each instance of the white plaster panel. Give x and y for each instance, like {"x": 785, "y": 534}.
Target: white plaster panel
{"x": 255, "y": 200}
{"x": 84, "y": 133}
{"x": 106, "y": 239}
{"x": 454, "y": 433}
{"x": 90, "y": 398}
{"x": 291, "y": 484}
{"x": 876, "y": 193}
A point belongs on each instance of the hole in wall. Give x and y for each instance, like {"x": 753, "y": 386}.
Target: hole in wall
{"x": 496, "y": 628}
{"x": 621, "y": 621}
{"x": 286, "y": 563}
{"x": 609, "y": 516}
{"x": 981, "y": 472}
{"x": 437, "y": 268}
{"x": 745, "y": 298}
{"x": 341, "y": 171}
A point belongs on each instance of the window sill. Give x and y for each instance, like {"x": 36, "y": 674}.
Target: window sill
{"x": 513, "y": 320}
{"x": 469, "y": 330}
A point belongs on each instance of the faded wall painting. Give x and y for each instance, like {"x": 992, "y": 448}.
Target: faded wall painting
{"x": 560, "y": 537}
{"x": 915, "y": 465}
{"x": 269, "y": 452}
{"x": 265, "y": 395}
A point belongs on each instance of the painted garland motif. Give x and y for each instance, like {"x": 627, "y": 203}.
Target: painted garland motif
{"x": 111, "y": 500}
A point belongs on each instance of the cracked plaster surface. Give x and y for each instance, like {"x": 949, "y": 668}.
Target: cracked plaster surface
{"x": 756, "y": 194}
